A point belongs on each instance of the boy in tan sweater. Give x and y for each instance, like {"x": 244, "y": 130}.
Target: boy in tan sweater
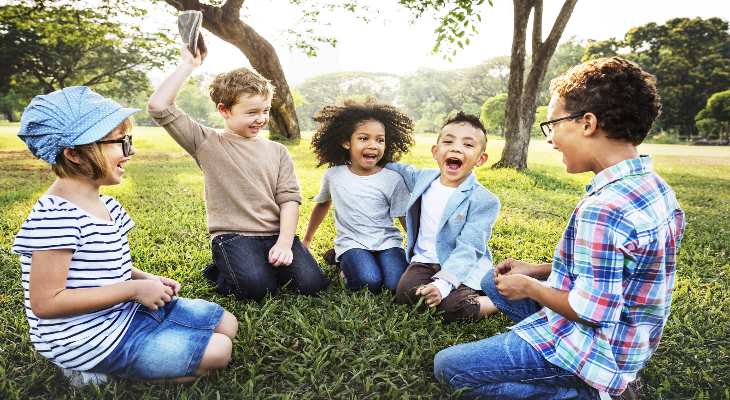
{"x": 251, "y": 192}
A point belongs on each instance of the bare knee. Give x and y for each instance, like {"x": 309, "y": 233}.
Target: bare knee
{"x": 228, "y": 325}
{"x": 217, "y": 354}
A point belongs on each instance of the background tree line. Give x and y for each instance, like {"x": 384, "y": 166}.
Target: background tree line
{"x": 47, "y": 46}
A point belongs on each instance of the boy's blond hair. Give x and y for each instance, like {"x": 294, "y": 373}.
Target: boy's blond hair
{"x": 93, "y": 164}
{"x": 227, "y": 87}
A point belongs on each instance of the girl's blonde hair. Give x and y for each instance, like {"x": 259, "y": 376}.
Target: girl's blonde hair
{"x": 92, "y": 162}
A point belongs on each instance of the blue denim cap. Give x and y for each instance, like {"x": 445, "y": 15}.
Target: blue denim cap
{"x": 68, "y": 117}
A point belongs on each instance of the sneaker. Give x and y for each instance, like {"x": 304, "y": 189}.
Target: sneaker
{"x": 84, "y": 378}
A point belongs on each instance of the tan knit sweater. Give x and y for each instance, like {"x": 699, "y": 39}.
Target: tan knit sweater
{"x": 246, "y": 179}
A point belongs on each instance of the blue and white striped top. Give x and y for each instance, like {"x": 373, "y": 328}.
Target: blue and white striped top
{"x": 100, "y": 257}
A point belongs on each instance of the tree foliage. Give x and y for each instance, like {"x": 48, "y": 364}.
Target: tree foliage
{"x": 690, "y": 58}
{"x": 459, "y": 20}
{"x": 47, "y": 46}
{"x": 321, "y": 90}
{"x": 427, "y": 95}
{"x": 713, "y": 121}
{"x": 492, "y": 114}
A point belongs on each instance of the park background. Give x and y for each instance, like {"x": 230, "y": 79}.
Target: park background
{"x": 358, "y": 345}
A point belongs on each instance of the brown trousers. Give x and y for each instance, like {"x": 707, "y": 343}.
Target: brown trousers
{"x": 460, "y": 304}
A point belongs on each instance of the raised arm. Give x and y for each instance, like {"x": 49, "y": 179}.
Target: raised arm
{"x": 166, "y": 93}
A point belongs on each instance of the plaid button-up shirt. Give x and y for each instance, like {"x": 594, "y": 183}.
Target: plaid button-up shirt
{"x": 617, "y": 260}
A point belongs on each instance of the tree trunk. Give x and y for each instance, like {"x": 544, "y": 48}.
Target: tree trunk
{"x": 522, "y": 95}
{"x": 225, "y": 22}
{"x": 514, "y": 145}
{"x": 10, "y": 115}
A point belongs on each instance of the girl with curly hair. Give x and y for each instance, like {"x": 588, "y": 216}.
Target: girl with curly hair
{"x": 356, "y": 140}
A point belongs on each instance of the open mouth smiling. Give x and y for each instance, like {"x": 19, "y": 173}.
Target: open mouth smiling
{"x": 120, "y": 166}
{"x": 453, "y": 163}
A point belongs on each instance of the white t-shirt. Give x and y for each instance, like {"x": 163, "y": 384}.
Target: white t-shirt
{"x": 364, "y": 208}
{"x": 433, "y": 204}
{"x": 436, "y": 197}
{"x": 101, "y": 257}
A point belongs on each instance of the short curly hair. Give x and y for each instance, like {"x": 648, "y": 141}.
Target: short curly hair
{"x": 338, "y": 123}
{"x": 473, "y": 120}
{"x": 621, "y": 95}
{"x": 227, "y": 87}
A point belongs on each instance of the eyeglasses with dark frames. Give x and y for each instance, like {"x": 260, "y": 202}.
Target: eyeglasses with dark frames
{"x": 126, "y": 142}
{"x": 546, "y": 127}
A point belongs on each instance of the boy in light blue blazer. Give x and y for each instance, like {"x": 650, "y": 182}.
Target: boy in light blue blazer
{"x": 449, "y": 222}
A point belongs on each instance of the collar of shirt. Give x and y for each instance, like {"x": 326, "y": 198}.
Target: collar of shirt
{"x": 633, "y": 166}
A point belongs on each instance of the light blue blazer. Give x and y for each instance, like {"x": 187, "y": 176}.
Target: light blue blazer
{"x": 464, "y": 230}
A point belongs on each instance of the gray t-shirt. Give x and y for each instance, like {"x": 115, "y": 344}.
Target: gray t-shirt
{"x": 364, "y": 208}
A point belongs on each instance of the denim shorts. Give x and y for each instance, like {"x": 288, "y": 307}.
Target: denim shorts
{"x": 166, "y": 343}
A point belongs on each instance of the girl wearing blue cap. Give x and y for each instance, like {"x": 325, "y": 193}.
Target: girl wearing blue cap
{"x": 90, "y": 311}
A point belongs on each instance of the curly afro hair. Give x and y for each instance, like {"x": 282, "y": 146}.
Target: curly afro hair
{"x": 621, "y": 95}
{"x": 338, "y": 123}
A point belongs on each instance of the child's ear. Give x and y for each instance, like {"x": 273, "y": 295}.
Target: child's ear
{"x": 223, "y": 111}
{"x": 433, "y": 151}
{"x": 71, "y": 155}
{"x": 482, "y": 159}
{"x": 590, "y": 124}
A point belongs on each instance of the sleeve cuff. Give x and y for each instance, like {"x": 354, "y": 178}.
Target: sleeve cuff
{"x": 321, "y": 199}
{"x": 443, "y": 286}
{"x": 287, "y": 197}
{"x": 602, "y": 310}
{"x": 448, "y": 277}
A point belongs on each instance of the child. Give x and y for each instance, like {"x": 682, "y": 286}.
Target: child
{"x": 600, "y": 316}
{"x": 355, "y": 141}
{"x": 87, "y": 307}
{"x": 449, "y": 221}
{"x": 251, "y": 193}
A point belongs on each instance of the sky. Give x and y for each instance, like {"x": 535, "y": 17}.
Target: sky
{"x": 390, "y": 43}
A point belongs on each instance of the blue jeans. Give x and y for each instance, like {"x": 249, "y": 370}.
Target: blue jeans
{"x": 241, "y": 267}
{"x": 165, "y": 343}
{"x": 373, "y": 269}
{"x": 506, "y": 366}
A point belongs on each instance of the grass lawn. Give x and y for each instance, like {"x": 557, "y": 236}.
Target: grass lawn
{"x": 358, "y": 345}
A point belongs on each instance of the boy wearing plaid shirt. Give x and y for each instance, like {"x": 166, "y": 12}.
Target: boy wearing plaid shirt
{"x": 587, "y": 331}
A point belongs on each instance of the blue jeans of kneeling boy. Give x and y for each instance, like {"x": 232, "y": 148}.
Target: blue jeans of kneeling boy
{"x": 241, "y": 267}
{"x": 506, "y": 366}
{"x": 373, "y": 269}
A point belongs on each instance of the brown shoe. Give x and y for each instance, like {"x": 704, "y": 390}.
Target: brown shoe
{"x": 633, "y": 391}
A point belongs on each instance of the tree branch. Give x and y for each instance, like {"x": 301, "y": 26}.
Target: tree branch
{"x": 232, "y": 7}
{"x": 97, "y": 79}
{"x": 536, "y": 29}
{"x": 559, "y": 26}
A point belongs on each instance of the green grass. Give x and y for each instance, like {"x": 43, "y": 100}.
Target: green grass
{"x": 358, "y": 345}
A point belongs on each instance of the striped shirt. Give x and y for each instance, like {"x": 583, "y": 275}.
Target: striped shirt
{"x": 100, "y": 257}
{"x": 617, "y": 260}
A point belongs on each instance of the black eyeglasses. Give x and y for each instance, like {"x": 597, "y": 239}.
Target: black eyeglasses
{"x": 546, "y": 128}
{"x": 126, "y": 142}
